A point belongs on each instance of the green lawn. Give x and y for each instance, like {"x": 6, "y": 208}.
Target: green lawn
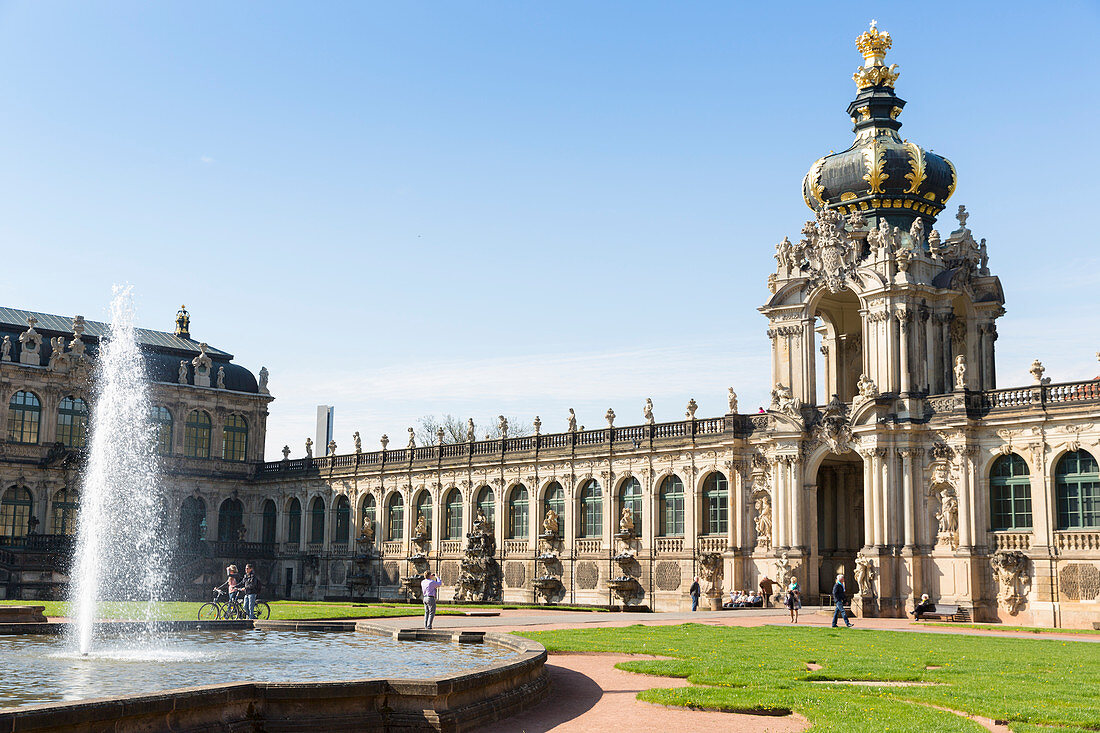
{"x": 1013, "y": 629}
{"x": 188, "y": 611}
{"x": 1025, "y": 681}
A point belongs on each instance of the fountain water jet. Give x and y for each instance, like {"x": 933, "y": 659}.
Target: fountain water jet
{"x": 121, "y": 549}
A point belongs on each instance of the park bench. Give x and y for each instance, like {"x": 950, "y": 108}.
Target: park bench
{"x": 945, "y": 612}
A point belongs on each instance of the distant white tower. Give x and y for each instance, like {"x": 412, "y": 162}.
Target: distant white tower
{"x": 324, "y": 429}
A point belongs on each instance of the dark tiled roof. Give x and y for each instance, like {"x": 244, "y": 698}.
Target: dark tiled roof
{"x": 94, "y": 330}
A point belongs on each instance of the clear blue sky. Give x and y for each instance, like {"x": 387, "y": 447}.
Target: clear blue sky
{"x": 483, "y": 208}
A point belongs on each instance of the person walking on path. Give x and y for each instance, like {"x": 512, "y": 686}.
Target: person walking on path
{"x": 429, "y": 587}
{"x": 250, "y": 585}
{"x": 695, "y": 591}
{"x": 840, "y": 595}
{"x": 793, "y": 601}
{"x": 766, "y": 585}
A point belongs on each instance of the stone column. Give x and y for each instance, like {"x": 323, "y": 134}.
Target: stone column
{"x": 903, "y": 324}
{"x": 813, "y": 560}
{"x": 798, "y": 507}
{"x": 907, "y": 497}
{"x": 779, "y": 504}
{"x": 868, "y": 497}
{"x": 966, "y": 507}
{"x": 886, "y": 536}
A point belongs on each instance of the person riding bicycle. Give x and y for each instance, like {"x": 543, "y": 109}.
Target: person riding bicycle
{"x": 232, "y": 582}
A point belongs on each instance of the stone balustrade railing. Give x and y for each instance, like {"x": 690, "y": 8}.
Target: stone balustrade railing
{"x": 589, "y": 546}
{"x": 668, "y": 545}
{"x": 450, "y": 547}
{"x": 636, "y": 435}
{"x": 1070, "y": 541}
{"x": 1015, "y": 398}
{"x": 1012, "y": 540}
{"x": 713, "y": 544}
{"x": 393, "y": 548}
{"x": 515, "y": 547}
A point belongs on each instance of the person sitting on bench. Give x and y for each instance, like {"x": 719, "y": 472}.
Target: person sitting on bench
{"x": 925, "y": 606}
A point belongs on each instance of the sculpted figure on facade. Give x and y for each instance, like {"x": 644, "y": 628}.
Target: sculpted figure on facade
{"x": 481, "y": 523}
{"x": 367, "y": 532}
{"x": 76, "y": 346}
{"x": 412, "y": 439}
{"x": 202, "y": 364}
{"x": 647, "y": 411}
{"x": 732, "y": 397}
{"x": 221, "y": 377}
{"x": 948, "y": 517}
{"x": 31, "y": 344}
{"x": 865, "y": 575}
{"x": 711, "y": 564}
{"x": 783, "y": 571}
{"x": 916, "y": 233}
{"x": 183, "y": 372}
{"x": 537, "y": 425}
{"x": 829, "y": 253}
{"x": 264, "y": 376}
{"x": 421, "y": 531}
{"x": 763, "y": 522}
{"x": 358, "y": 442}
{"x": 960, "y": 373}
{"x": 572, "y": 421}
{"x": 1012, "y": 578}
{"x": 833, "y": 429}
{"x": 784, "y": 401}
{"x": 503, "y": 426}
{"x": 626, "y": 521}
{"x": 57, "y": 353}
{"x": 309, "y": 447}
{"x": 610, "y": 417}
{"x": 550, "y": 523}
{"x": 5, "y": 349}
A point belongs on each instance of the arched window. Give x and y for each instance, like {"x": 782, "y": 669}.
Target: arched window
{"x": 235, "y": 438}
{"x": 343, "y": 520}
{"x": 1077, "y": 487}
{"x": 317, "y": 521}
{"x": 15, "y": 512}
{"x": 192, "y": 523}
{"x": 72, "y": 422}
{"x": 196, "y": 436}
{"x": 24, "y": 412}
{"x": 716, "y": 498}
{"x": 591, "y": 513}
{"x": 554, "y": 498}
{"x": 517, "y": 513}
{"x": 65, "y": 507}
{"x": 230, "y": 520}
{"x": 487, "y": 504}
{"x": 162, "y": 424}
{"x": 453, "y": 508}
{"x": 671, "y": 507}
{"x": 423, "y": 505}
{"x": 294, "y": 522}
{"x": 395, "y": 517}
{"x": 630, "y": 497}
{"x": 1010, "y": 493}
{"x": 369, "y": 514}
{"x": 267, "y": 529}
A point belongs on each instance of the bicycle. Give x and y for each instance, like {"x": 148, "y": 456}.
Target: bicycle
{"x": 231, "y": 609}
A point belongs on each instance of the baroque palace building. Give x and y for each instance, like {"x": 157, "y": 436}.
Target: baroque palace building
{"x": 888, "y": 451}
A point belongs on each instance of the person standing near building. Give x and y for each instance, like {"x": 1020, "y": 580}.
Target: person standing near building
{"x": 840, "y": 595}
{"x": 695, "y": 591}
{"x": 766, "y": 585}
{"x": 429, "y": 587}
{"x": 250, "y": 585}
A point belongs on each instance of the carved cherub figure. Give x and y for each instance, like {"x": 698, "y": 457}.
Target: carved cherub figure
{"x": 647, "y": 411}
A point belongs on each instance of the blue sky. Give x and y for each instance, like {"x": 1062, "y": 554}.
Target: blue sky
{"x": 485, "y": 208}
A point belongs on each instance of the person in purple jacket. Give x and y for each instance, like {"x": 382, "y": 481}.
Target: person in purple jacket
{"x": 429, "y": 587}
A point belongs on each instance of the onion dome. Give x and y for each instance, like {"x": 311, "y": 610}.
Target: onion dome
{"x": 880, "y": 174}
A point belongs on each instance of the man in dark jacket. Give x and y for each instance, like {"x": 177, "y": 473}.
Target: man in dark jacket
{"x": 695, "y": 591}
{"x": 839, "y": 596}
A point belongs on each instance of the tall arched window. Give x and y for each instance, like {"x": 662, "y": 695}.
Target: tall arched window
{"x": 267, "y": 529}
{"x": 1010, "y": 493}
{"x": 487, "y": 504}
{"x": 192, "y": 523}
{"x": 453, "y": 508}
{"x": 196, "y": 436}
{"x": 424, "y": 509}
{"x": 162, "y": 424}
{"x": 554, "y": 498}
{"x": 65, "y": 507}
{"x": 395, "y": 517}
{"x": 15, "y": 512}
{"x": 294, "y": 522}
{"x": 24, "y": 413}
{"x": 630, "y": 497}
{"x": 343, "y": 520}
{"x": 369, "y": 514}
{"x": 317, "y": 521}
{"x": 235, "y": 438}
{"x": 591, "y": 513}
{"x": 716, "y": 504}
{"x": 671, "y": 507}
{"x": 72, "y": 422}
{"x": 517, "y": 513}
{"x": 1077, "y": 487}
{"x": 230, "y": 520}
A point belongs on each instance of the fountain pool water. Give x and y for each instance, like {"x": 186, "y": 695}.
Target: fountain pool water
{"x": 120, "y": 550}
{"x": 43, "y": 669}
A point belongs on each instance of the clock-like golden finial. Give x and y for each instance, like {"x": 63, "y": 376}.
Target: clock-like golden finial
{"x": 873, "y": 45}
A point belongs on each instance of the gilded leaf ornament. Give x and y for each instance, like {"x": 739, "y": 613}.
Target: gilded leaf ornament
{"x": 954, "y": 180}
{"x": 816, "y": 188}
{"x": 875, "y": 157}
{"x": 916, "y": 162}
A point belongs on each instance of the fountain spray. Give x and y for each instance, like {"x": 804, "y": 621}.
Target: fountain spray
{"x": 121, "y": 549}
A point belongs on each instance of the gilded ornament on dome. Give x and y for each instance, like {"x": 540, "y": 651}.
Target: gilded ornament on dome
{"x": 865, "y": 111}
{"x": 875, "y": 158}
{"x": 895, "y": 112}
{"x": 814, "y": 179}
{"x": 954, "y": 180}
{"x": 874, "y": 44}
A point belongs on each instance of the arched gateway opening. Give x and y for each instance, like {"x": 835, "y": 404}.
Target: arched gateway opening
{"x": 840, "y": 527}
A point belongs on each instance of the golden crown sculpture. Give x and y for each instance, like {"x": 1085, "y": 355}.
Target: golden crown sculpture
{"x": 873, "y": 45}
